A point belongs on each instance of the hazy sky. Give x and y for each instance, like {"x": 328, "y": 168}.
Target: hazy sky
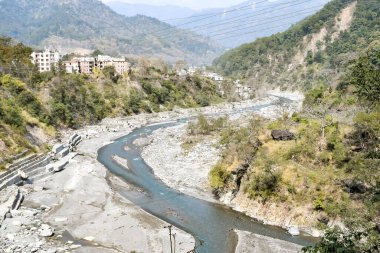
{"x": 194, "y": 4}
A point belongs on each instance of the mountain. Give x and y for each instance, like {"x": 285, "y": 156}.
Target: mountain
{"x": 315, "y": 51}
{"x": 160, "y": 12}
{"x": 84, "y": 25}
{"x": 249, "y": 20}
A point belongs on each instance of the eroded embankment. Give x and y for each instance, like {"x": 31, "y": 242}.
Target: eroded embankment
{"x": 187, "y": 170}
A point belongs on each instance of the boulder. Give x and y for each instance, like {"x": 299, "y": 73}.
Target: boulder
{"x": 294, "y": 231}
{"x": 282, "y": 135}
{"x": 22, "y": 175}
{"x": 46, "y": 231}
{"x": 355, "y": 186}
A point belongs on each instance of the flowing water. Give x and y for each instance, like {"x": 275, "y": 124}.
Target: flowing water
{"x": 209, "y": 223}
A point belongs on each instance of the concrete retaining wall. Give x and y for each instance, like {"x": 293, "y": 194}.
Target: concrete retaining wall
{"x": 27, "y": 166}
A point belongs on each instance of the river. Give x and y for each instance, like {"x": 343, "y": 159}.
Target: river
{"x": 209, "y": 223}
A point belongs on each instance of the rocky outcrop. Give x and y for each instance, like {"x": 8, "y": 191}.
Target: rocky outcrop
{"x": 355, "y": 186}
{"x": 282, "y": 135}
{"x": 23, "y": 170}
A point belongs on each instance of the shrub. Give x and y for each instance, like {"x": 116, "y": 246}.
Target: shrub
{"x": 218, "y": 176}
{"x": 264, "y": 183}
{"x": 204, "y": 126}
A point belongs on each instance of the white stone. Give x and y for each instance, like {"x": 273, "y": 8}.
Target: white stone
{"x": 46, "y": 232}
{"x": 60, "y": 219}
{"x": 44, "y": 207}
{"x": 10, "y": 237}
{"x": 16, "y": 223}
{"x": 294, "y": 231}
{"x": 75, "y": 246}
{"x": 45, "y": 226}
{"x": 89, "y": 238}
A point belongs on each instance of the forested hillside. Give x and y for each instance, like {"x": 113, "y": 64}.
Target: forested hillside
{"x": 34, "y": 105}
{"x": 328, "y": 175}
{"x": 83, "y": 26}
{"x": 313, "y": 52}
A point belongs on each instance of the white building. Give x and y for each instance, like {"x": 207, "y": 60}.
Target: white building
{"x": 86, "y": 65}
{"x": 214, "y": 76}
{"x": 120, "y": 64}
{"x": 45, "y": 60}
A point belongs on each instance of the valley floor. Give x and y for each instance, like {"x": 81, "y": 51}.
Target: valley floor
{"x": 82, "y": 203}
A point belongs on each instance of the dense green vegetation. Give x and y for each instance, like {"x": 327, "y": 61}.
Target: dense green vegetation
{"x": 337, "y": 240}
{"x": 31, "y": 101}
{"x": 332, "y": 170}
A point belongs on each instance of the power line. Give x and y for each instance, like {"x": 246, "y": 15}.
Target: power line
{"x": 265, "y": 23}
{"x": 234, "y": 20}
{"x": 221, "y": 13}
{"x": 212, "y": 36}
{"x": 241, "y": 17}
{"x": 251, "y": 32}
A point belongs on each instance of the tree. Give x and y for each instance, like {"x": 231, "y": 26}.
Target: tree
{"x": 365, "y": 74}
{"x": 110, "y": 72}
{"x": 96, "y": 52}
{"x": 309, "y": 57}
{"x": 338, "y": 241}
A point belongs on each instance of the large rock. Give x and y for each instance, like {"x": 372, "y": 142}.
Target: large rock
{"x": 282, "y": 135}
{"x": 355, "y": 186}
{"x": 46, "y": 231}
{"x": 22, "y": 175}
{"x": 294, "y": 231}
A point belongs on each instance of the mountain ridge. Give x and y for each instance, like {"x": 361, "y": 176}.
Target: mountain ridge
{"x": 315, "y": 51}
{"x": 162, "y": 13}
{"x": 89, "y": 24}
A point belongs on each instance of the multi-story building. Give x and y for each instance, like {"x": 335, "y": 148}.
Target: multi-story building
{"x": 45, "y": 60}
{"x": 120, "y": 64}
{"x": 72, "y": 66}
{"x": 86, "y": 65}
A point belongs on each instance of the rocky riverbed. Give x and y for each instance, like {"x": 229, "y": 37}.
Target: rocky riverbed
{"x": 79, "y": 210}
{"x": 179, "y": 169}
{"x": 187, "y": 170}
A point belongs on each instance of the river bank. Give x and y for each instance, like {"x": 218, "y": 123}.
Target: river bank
{"x": 81, "y": 207}
{"x": 84, "y": 213}
{"x": 187, "y": 170}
